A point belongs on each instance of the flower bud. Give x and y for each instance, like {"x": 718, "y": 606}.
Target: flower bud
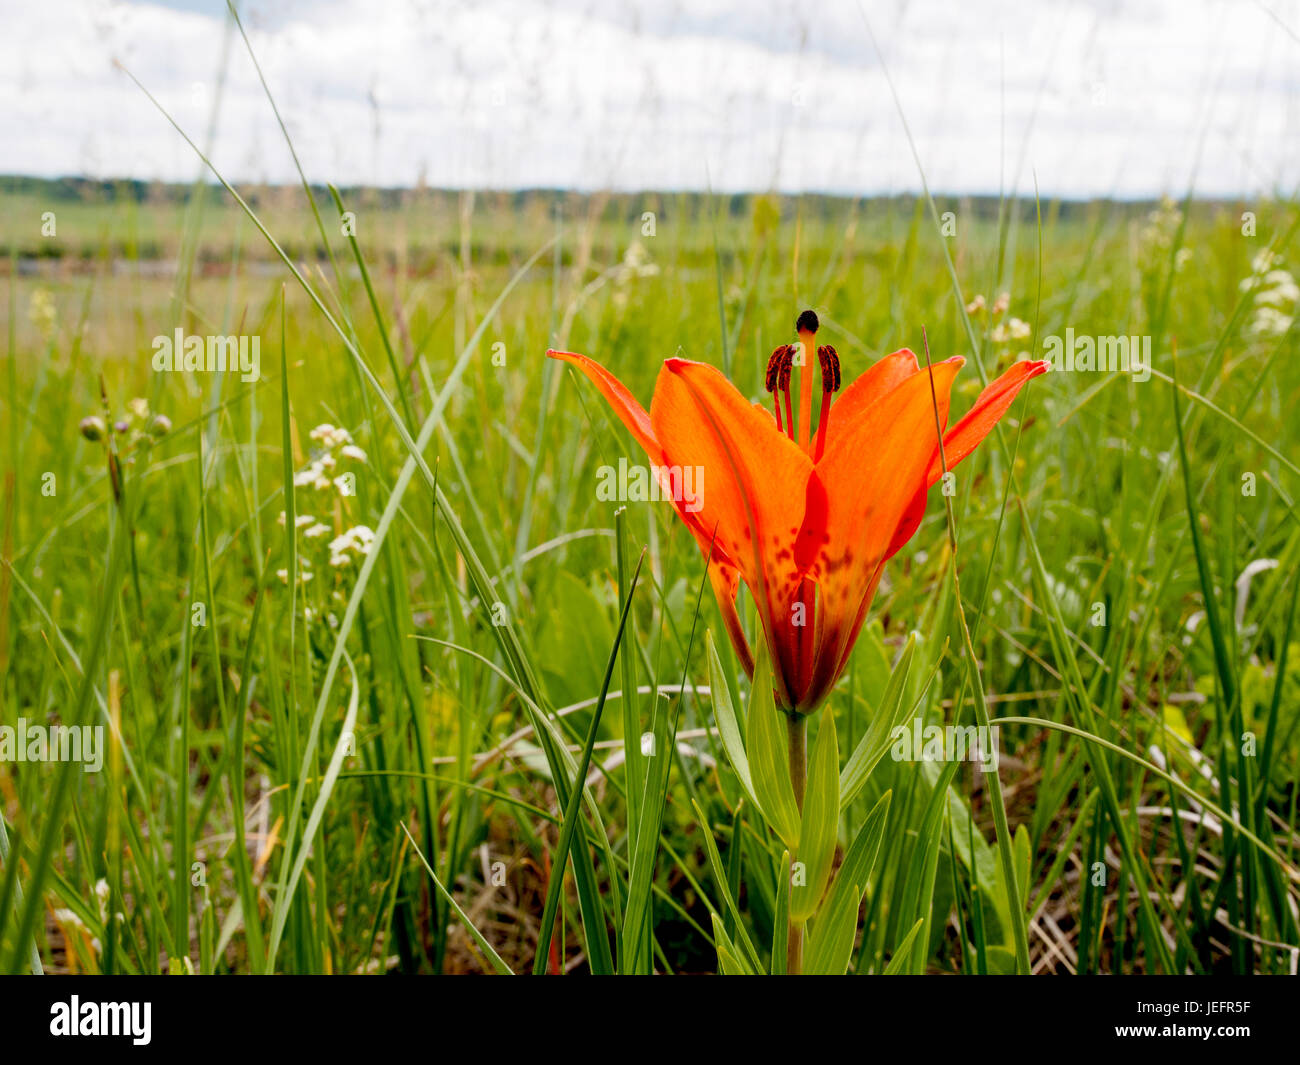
{"x": 92, "y": 428}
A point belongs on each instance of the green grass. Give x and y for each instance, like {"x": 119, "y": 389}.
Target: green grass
{"x": 375, "y": 770}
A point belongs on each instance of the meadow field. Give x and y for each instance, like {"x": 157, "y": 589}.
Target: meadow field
{"x": 349, "y": 631}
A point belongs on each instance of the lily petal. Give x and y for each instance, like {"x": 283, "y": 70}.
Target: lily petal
{"x": 752, "y": 479}
{"x": 963, "y": 438}
{"x": 991, "y": 404}
{"x": 856, "y": 498}
{"x": 879, "y": 379}
{"x": 723, "y": 573}
{"x": 625, "y": 405}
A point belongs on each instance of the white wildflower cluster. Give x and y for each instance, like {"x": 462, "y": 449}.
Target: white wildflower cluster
{"x": 306, "y": 524}
{"x": 1011, "y": 329}
{"x": 42, "y": 310}
{"x": 332, "y": 443}
{"x": 1157, "y": 235}
{"x": 345, "y": 549}
{"x": 1007, "y": 329}
{"x": 351, "y": 545}
{"x": 1277, "y": 296}
{"x": 70, "y": 920}
{"x": 636, "y": 263}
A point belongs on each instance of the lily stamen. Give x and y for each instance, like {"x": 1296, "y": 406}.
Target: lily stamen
{"x": 787, "y": 366}
{"x": 829, "y": 359}
{"x": 773, "y": 380}
{"x": 806, "y": 327}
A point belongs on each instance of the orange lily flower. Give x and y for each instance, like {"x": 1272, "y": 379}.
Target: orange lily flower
{"x": 807, "y": 520}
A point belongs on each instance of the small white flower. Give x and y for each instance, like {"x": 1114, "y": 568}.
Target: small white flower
{"x": 1002, "y": 303}
{"x": 351, "y": 451}
{"x": 1269, "y": 321}
{"x": 1011, "y": 329}
{"x": 1281, "y": 295}
{"x": 319, "y": 529}
{"x": 976, "y": 305}
{"x": 322, "y": 431}
{"x": 1262, "y": 261}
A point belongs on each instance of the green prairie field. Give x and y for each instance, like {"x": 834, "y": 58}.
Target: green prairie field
{"x": 350, "y": 634}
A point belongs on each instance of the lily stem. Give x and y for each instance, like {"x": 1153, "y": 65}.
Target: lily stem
{"x": 797, "y": 729}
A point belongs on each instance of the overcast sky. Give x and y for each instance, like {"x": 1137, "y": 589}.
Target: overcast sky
{"x": 1097, "y": 97}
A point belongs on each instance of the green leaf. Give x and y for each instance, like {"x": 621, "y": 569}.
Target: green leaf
{"x": 1024, "y": 859}
{"x": 719, "y": 875}
{"x": 502, "y": 969}
{"x": 728, "y": 726}
{"x": 769, "y": 757}
{"x": 899, "y": 960}
{"x": 571, "y": 645}
{"x": 730, "y": 960}
{"x": 572, "y": 811}
{"x": 831, "y": 941}
{"x": 875, "y": 743}
{"x": 917, "y": 896}
{"x": 637, "y": 943}
{"x": 973, "y": 850}
{"x": 821, "y": 818}
{"x": 1020, "y": 862}
{"x": 781, "y": 917}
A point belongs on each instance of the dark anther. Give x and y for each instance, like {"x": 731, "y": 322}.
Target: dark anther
{"x": 774, "y": 369}
{"x": 807, "y": 323}
{"x": 787, "y": 364}
{"x": 830, "y": 363}
{"x": 778, "y": 367}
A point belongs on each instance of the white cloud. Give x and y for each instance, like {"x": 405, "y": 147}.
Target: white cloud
{"x": 1095, "y": 99}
